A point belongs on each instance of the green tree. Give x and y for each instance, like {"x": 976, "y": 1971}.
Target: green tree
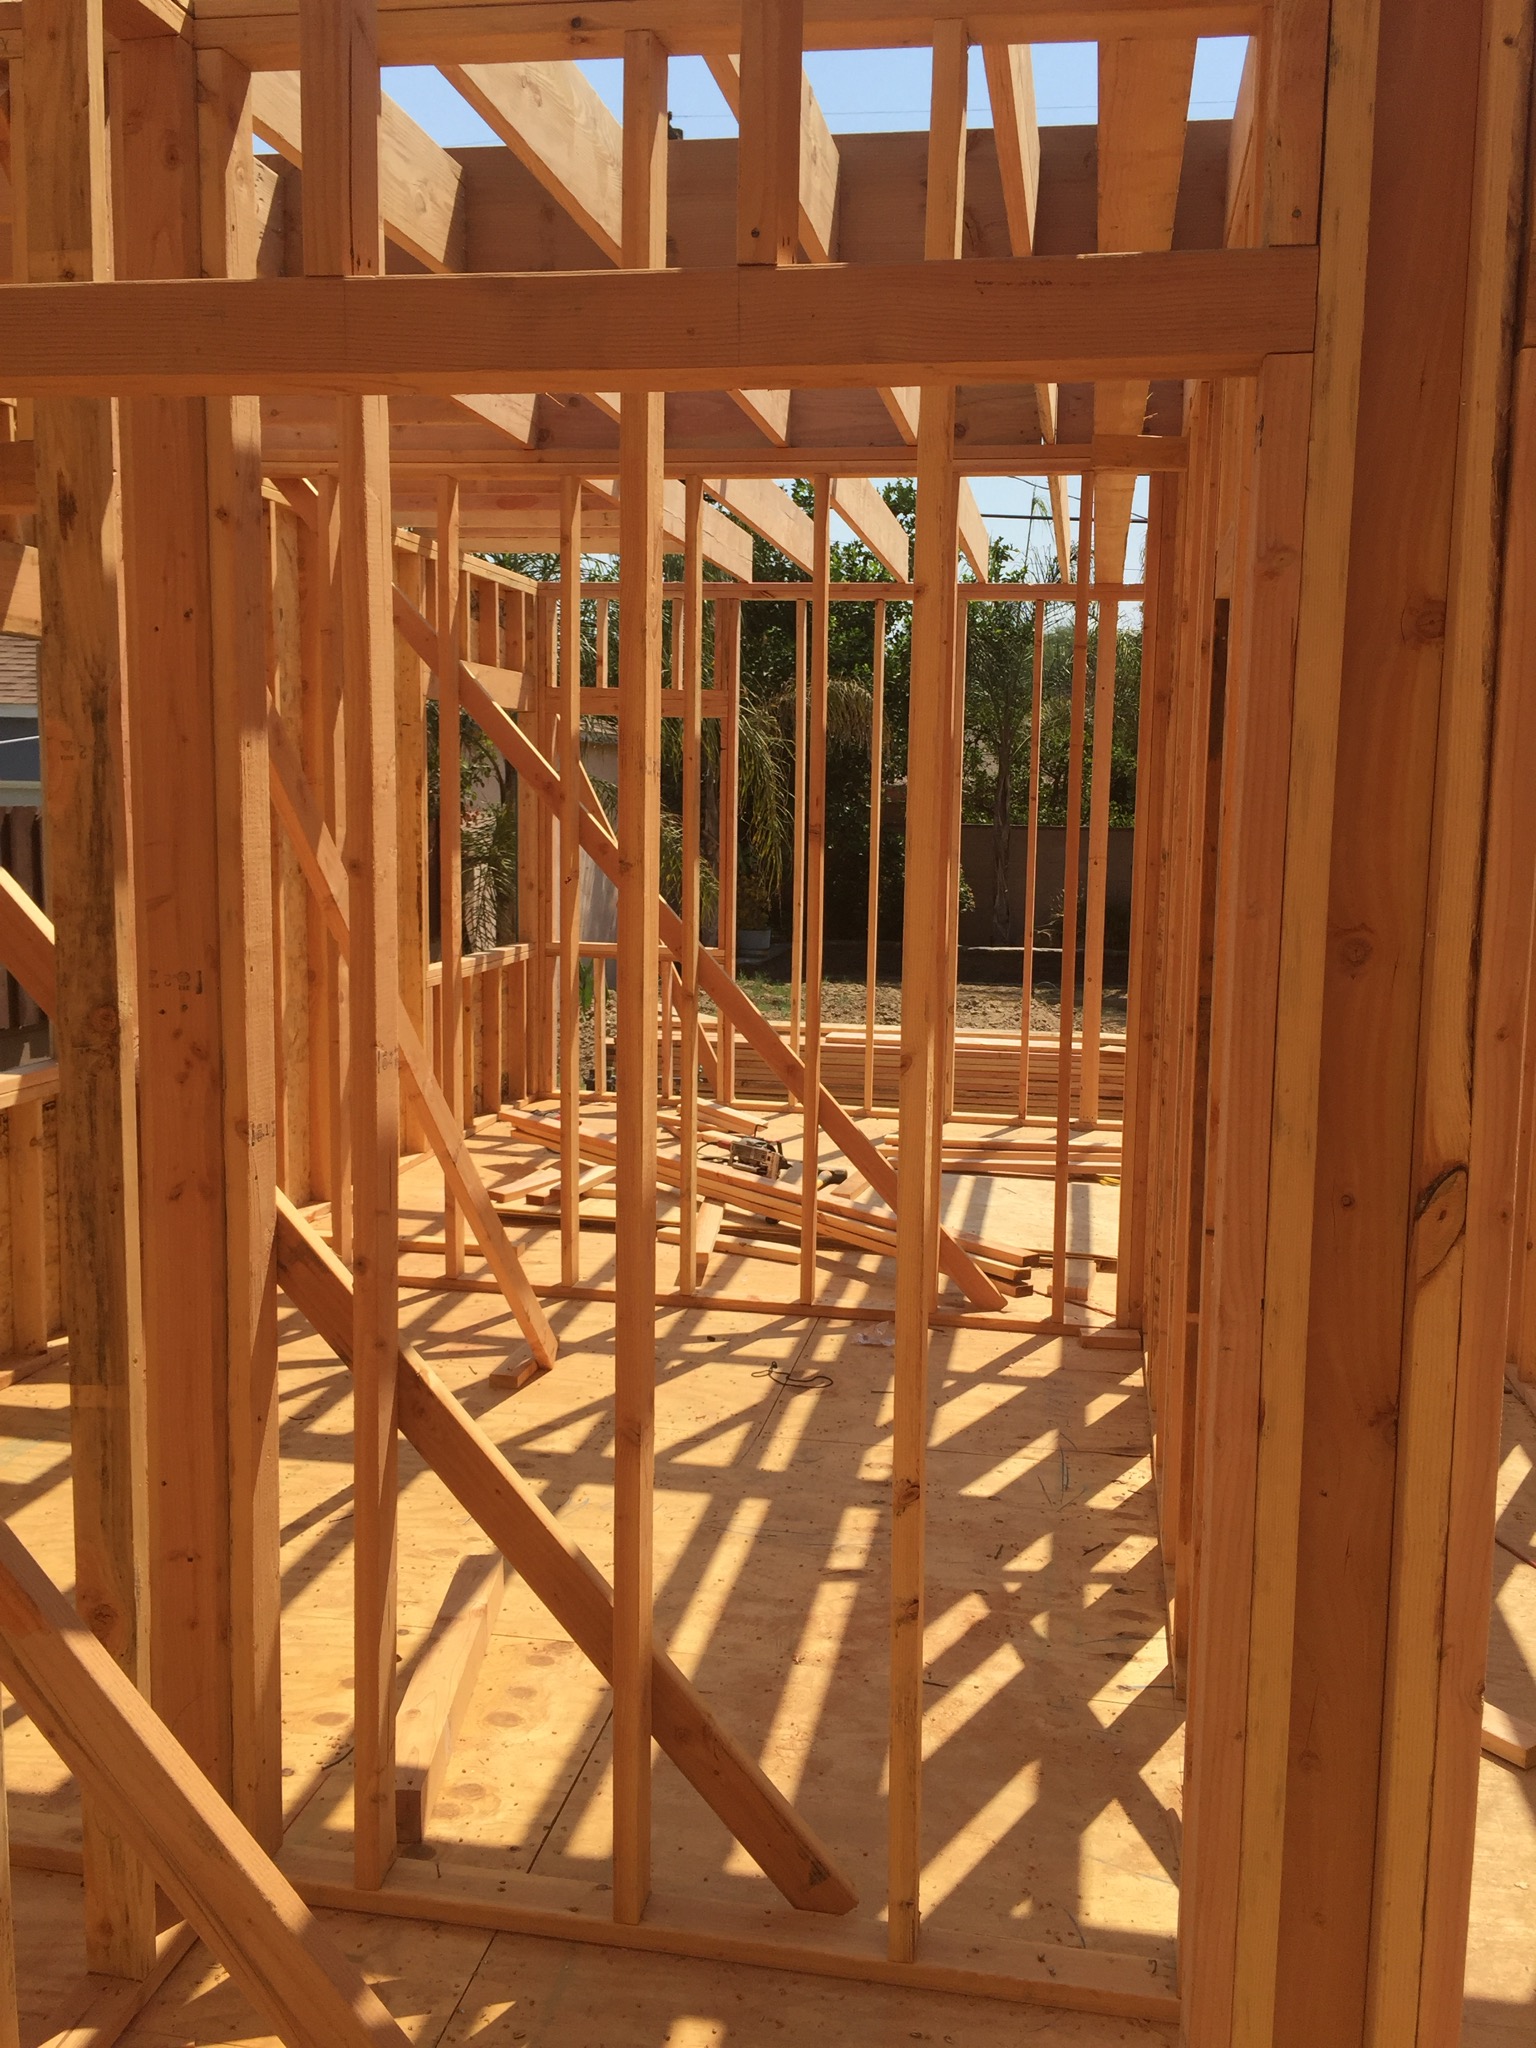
{"x": 1000, "y": 742}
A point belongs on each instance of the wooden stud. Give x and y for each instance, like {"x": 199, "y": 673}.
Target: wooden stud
{"x": 1032, "y": 857}
{"x": 768, "y": 149}
{"x": 451, "y": 620}
{"x": 1176, "y": 1331}
{"x": 467, "y": 1011}
{"x": 368, "y": 852}
{"x": 29, "y": 1233}
{"x": 820, "y": 624}
{"x": 665, "y": 1065}
{"x": 321, "y": 717}
{"x": 1303, "y": 948}
{"x": 467, "y": 1043}
{"x": 196, "y": 660}
{"x": 420, "y": 197}
{"x": 641, "y": 436}
{"x": 954, "y": 778}
{"x": 570, "y": 878}
{"x": 238, "y": 611}
{"x": 943, "y": 237}
{"x": 692, "y": 619}
{"x": 340, "y": 82}
{"x": 1293, "y": 88}
{"x": 922, "y": 1012}
{"x": 1104, "y": 679}
{"x": 876, "y": 791}
{"x": 728, "y": 682}
{"x": 944, "y": 206}
{"x": 1478, "y": 926}
{"x": 1068, "y": 992}
{"x": 488, "y": 1023}
{"x": 1151, "y": 773}
{"x": 1369, "y": 1167}
{"x": 85, "y": 774}
{"x": 411, "y": 672}
{"x": 543, "y": 1021}
{"x": 514, "y": 1033}
{"x": 797, "y": 838}
{"x": 600, "y": 1029}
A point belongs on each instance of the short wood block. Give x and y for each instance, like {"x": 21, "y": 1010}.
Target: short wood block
{"x": 1511, "y": 1740}
{"x": 437, "y": 1698}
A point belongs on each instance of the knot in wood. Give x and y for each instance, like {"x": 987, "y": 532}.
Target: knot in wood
{"x": 1440, "y": 1218}
{"x": 1424, "y": 622}
{"x": 104, "y": 1026}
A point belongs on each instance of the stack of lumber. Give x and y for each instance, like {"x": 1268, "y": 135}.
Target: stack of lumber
{"x": 986, "y": 1070}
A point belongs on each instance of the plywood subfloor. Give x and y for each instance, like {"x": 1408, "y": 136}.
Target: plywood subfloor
{"x": 1054, "y": 1736}
{"x": 1501, "y": 1949}
{"x": 1054, "y": 1744}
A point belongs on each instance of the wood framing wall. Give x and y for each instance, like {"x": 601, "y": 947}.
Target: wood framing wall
{"x": 260, "y": 424}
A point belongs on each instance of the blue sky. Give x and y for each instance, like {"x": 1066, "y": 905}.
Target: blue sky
{"x": 858, "y": 89}
{"x": 869, "y": 90}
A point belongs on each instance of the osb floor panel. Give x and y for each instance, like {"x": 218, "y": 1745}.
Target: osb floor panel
{"x": 1053, "y": 1737}
{"x": 1501, "y": 1948}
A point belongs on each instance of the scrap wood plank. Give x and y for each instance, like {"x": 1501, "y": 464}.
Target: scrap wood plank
{"x": 101, "y": 1726}
{"x": 1512, "y": 1740}
{"x": 743, "y": 1239}
{"x": 564, "y": 1578}
{"x": 540, "y": 1190}
{"x": 714, "y": 982}
{"x": 437, "y": 1699}
{"x": 320, "y": 860}
{"x": 740, "y": 1189}
{"x": 845, "y": 1220}
{"x": 526, "y": 1185}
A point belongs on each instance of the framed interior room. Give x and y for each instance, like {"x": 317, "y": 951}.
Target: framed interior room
{"x": 524, "y": 1420}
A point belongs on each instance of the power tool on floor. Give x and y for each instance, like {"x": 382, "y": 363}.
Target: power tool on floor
{"x": 762, "y": 1156}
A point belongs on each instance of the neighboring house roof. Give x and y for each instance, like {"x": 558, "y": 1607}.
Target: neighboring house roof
{"x": 18, "y": 670}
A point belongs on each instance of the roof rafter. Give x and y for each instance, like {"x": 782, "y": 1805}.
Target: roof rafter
{"x": 1016, "y": 130}
{"x": 559, "y": 128}
{"x": 1144, "y": 86}
{"x": 421, "y": 196}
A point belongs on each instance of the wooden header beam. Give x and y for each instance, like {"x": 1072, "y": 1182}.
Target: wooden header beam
{"x": 1141, "y": 454}
{"x": 264, "y": 33}
{"x": 1194, "y": 313}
